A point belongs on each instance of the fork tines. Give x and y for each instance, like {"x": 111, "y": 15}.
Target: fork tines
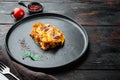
{"x": 2, "y": 66}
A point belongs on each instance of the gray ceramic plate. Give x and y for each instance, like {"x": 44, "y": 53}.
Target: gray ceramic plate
{"x": 18, "y": 41}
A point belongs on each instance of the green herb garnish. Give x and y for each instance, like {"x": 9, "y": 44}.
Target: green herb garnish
{"x": 31, "y": 55}
{"x": 34, "y": 57}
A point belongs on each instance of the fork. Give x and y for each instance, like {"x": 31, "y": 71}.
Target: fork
{"x": 6, "y": 70}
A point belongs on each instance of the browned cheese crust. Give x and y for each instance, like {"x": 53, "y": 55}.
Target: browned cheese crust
{"x": 47, "y": 35}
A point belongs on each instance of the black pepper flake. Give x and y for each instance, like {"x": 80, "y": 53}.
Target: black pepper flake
{"x": 24, "y": 44}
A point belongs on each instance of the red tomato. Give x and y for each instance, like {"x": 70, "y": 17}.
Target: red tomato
{"x": 18, "y": 13}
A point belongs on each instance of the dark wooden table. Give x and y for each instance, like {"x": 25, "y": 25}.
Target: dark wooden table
{"x": 101, "y": 20}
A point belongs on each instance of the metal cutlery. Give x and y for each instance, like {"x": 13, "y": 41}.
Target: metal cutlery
{"x": 2, "y": 77}
{"x": 6, "y": 70}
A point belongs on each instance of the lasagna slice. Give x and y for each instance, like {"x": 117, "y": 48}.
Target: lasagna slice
{"x": 47, "y": 36}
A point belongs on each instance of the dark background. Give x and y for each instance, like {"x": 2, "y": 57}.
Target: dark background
{"x": 101, "y": 20}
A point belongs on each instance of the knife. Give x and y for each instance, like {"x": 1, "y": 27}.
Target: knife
{"x": 2, "y": 77}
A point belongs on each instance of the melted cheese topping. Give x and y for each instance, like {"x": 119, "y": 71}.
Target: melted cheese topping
{"x": 47, "y": 35}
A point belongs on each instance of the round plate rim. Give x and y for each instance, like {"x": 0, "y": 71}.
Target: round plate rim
{"x": 27, "y": 18}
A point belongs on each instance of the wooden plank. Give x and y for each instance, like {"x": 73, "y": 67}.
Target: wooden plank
{"x": 109, "y": 2}
{"x": 3, "y": 31}
{"x": 85, "y": 14}
{"x": 89, "y": 75}
{"x": 103, "y": 50}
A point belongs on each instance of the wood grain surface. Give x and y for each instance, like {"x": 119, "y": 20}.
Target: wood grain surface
{"x": 101, "y": 20}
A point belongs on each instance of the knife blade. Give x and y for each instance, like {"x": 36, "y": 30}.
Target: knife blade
{"x": 2, "y": 77}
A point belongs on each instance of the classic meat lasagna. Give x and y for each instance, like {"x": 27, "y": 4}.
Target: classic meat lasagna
{"x": 47, "y": 36}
